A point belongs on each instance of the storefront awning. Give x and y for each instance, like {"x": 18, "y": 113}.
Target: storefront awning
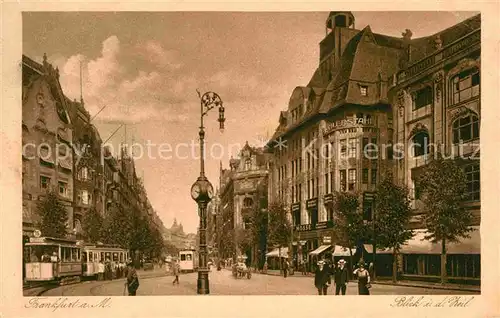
{"x": 276, "y": 252}
{"x": 470, "y": 245}
{"x": 320, "y": 250}
{"x": 343, "y": 251}
{"x": 369, "y": 249}
{"x": 419, "y": 245}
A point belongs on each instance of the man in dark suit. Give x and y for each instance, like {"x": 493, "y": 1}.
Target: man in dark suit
{"x": 322, "y": 278}
{"x": 341, "y": 278}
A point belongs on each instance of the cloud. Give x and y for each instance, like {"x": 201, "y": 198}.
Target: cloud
{"x": 155, "y": 53}
{"x": 134, "y": 91}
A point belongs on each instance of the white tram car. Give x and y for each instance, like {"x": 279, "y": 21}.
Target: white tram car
{"x": 188, "y": 260}
{"x": 53, "y": 259}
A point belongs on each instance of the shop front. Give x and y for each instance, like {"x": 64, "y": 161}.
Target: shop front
{"x": 312, "y": 241}
{"x": 421, "y": 259}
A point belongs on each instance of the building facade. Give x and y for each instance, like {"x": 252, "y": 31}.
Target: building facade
{"x": 241, "y": 189}
{"x": 63, "y": 151}
{"x": 436, "y": 101}
{"x": 376, "y": 90}
{"x": 330, "y": 131}
{"x": 46, "y": 135}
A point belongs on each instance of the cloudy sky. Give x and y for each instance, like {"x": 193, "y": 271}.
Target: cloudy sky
{"x": 145, "y": 69}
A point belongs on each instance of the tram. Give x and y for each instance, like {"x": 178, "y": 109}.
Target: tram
{"x": 53, "y": 260}
{"x": 188, "y": 260}
{"x": 92, "y": 255}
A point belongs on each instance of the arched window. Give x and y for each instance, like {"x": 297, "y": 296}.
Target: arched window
{"x": 421, "y": 143}
{"x": 247, "y": 202}
{"x": 465, "y": 128}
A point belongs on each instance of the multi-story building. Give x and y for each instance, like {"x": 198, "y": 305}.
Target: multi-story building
{"x": 47, "y": 136}
{"x": 239, "y": 198}
{"x": 325, "y": 140}
{"x": 88, "y": 177}
{"x": 62, "y": 152}
{"x": 437, "y": 107}
{"x": 373, "y": 89}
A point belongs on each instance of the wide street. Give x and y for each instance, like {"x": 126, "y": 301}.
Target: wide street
{"x": 222, "y": 283}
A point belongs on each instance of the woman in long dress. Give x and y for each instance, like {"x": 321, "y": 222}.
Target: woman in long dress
{"x": 363, "y": 279}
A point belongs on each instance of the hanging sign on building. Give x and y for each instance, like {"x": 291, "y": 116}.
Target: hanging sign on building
{"x": 296, "y": 207}
{"x": 312, "y": 203}
{"x": 328, "y": 198}
{"x": 327, "y": 240}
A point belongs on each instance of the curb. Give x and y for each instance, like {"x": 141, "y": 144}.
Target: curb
{"x": 455, "y": 288}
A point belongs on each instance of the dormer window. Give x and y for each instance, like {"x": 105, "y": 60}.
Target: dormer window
{"x": 363, "y": 90}
{"x": 248, "y": 164}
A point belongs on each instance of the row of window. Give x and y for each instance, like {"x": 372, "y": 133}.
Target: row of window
{"x": 464, "y": 86}
{"x": 464, "y": 129}
{"x": 347, "y": 183}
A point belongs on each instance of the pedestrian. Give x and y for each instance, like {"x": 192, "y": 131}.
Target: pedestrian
{"x": 363, "y": 280}
{"x": 132, "y": 282}
{"x": 176, "y": 270}
{"x": 285, "y": 268}
{"x": 371, "y": 269}
{"x": 100, "y": 270}
{"x": 322, "y": 278}
{"x": 341, "y": 278}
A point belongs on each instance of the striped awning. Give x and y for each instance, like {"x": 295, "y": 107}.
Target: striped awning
{"x": 419, "y": 245}
{"x": 276, "y": 252}
{"x": 320, "y": 250}
{"x": 343, "y": 251}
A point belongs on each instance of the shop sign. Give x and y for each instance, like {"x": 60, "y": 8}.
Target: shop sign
{"x": 327, "y": 240}
{"x": 312, "y": 203}
{"x": 328, "y": 198}
{"x": 303, "y": 227}
{"x": 311, "y": 227}
{"x": 296, "y": 207}
{"x": 368, "y": 196}
{"x": 324, "y": 225}
{"x": 346, "y": 122}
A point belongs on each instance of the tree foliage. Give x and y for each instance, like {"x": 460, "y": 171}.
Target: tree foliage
{"x": 393, "y": 212}
{"x": 279, "y": 226}
{"x": 392, "y": 218}
{"x": 118, "y": 227}
{"x": 443, "y": 187}
{"x": 351, "y": 230}
{"x": 92, "y": 225}
{"x": 53, "y": 216}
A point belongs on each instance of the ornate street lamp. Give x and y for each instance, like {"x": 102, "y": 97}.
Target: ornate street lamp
{"x": 202, "y": 190}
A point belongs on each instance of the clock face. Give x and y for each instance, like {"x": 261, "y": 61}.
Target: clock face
{"x": 195, "y": 191}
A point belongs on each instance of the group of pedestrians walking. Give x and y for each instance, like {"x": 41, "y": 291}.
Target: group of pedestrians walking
{"x": 325, "y": 271}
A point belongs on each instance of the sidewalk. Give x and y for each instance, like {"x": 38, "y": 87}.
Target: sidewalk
{"x": 406, "y": 283}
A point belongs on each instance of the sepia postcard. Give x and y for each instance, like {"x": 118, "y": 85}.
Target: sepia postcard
{"x": 248, "y": 150}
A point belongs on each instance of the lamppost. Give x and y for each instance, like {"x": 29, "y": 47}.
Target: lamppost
{"x": 202, "y": 190}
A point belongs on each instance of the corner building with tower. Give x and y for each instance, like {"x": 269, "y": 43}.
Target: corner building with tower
{"x": 325, "y": 140}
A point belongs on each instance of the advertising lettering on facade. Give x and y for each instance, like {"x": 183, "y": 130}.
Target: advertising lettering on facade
{"x": 295, "y": 206}
{"x": 312, "y": 203}
{"x": 347, "y": 122}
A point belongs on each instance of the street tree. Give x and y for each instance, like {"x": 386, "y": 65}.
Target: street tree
{"x": 117, "y": 227}
{"x": 279, "y": 226}
{"x": 53, "y": 216}
{"x": 443, "y": 189}
{"x": 351, "y": 229}
{"x": 392, "y": 218}
{"x": 92, "y": 224}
